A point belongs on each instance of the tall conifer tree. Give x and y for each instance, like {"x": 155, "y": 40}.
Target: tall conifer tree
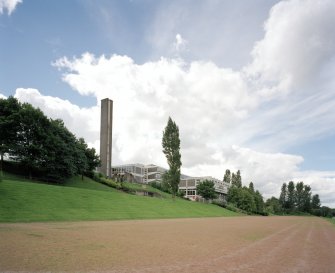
{"x": 171, "y": 149}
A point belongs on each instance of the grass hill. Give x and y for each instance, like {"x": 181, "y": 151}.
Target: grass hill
{"x": 24, "y": 201}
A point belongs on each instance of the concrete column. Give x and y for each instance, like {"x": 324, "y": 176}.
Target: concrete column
{"x": 106, "y": 137}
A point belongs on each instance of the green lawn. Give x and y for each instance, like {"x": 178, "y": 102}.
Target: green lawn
{"x": 22, "y": 201}
{"x": 332, "y": 220}
{"x": 87, "y": 183}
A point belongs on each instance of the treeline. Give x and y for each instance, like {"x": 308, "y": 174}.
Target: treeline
{"x": 242, "y": 197}
{"x": 42, "y": 146}
{"x": 296, "y": 199}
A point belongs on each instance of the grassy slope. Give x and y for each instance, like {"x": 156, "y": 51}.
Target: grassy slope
{"x": 26, "y": 202}
{"x": 332, "y": 220}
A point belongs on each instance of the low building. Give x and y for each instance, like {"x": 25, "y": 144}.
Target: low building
{"x": 141, "y": 173}
{"x": 189, "y": 186}
{"x": 145, "y": 174}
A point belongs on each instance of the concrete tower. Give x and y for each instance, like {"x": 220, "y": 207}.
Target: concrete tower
{"x": 106, "y": 137}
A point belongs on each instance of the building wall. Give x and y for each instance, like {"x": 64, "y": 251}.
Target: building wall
{"x": 106, "y": 126}
{"x": 141, "y": 173}
{"x": 189, "y": 186}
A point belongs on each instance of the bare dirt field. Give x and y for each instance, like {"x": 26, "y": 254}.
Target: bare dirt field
{"x": 237, "y": 244}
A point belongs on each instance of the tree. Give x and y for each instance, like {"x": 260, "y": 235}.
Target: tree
{"x": 299, "y": 196}
{"x": 290, "y": 196}
{"x": 62, "y": 150}
{"x": 206, "y": 189}
{"x": 41, "y": 145}
{"x": 31, "y": 135}
{"x": 81, "y": 160}
{"x": 283, "y": 196}
{"x": 9, "y": 109}
{"x": 259, "y": 202}
{"x": 234, "y": 195}
{"x": 233, "y": 180}
{"x": 227, "y": 177}
{"x": 273, "y": 205}
{"x": 171, "y": 149}
{"x": 316, "y": 204}
{"x": 236, "y": 179}
{"x": 251, "y": 187}
{"x": 247, "y": 201}
{"x": 93, "y": 161}
{"x": 307, "y": 198}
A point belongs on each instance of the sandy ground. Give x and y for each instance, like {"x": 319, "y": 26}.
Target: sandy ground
{"x": 237, "y": 244}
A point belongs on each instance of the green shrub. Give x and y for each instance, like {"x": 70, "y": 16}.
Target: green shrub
{"x": 160, "y": 186}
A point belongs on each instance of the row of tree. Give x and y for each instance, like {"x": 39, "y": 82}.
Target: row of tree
{"x": 42, "y": 146}
{"x": 297, "y": 198}
{"x": 242, "y": 197}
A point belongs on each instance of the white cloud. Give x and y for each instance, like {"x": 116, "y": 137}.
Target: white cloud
{"x": 180, "y": 43}
{"x": 8, "y": 5}
{"x": 298, "y": 46}
{"x": 2, "y": 96}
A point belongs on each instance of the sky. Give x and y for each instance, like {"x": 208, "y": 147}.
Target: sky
{"x": 249, "y": 83}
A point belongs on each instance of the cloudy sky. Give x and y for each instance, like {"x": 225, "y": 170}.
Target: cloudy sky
{"x": 250, "y": 83}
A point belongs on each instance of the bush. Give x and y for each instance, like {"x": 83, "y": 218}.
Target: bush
{"x": 231, "y": 207}
{"x": 181, "y": 194}
{"x": 220, "y": 203}
{"x": 98, "y": 177}
{"x": 127, "y": 189}
{"x": 160, "y": 186}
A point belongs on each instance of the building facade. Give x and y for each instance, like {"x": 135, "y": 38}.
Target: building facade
{"x": 189, "y": 187}
{"x": 145, "y": 174}
{"x": 141, "y": 173}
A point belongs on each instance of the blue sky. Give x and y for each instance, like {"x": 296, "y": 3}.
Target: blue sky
{"x": 250, "y": 83}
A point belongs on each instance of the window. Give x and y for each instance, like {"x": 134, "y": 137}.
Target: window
{"x": 190, "y": 192}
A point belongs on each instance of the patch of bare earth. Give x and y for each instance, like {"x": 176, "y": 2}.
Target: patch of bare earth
{"x": 238, "y": 244}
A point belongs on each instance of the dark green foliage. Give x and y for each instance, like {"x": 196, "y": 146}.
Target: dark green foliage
{"x": 87, "y": 159}
{"x": 171, "y": 149}
{"x": 316, "y": 204}
{"x": 297, "y": 199}
{"x": 273, "y": 205}
{"x": 31, "y": 134}
{"x": 324, "y": 212}
{"x": 227, "y": 176}
{"x": 247, "y": 201}
{"x": 236, "y": 179}
{"x": 299, "y": 196}
{"x": 307, "y": 199}
{"x": 244, "y": 198}
{"x": 251, "y": 187}
{"x": 42, "y": 146}
{"x": 161, "y": 186}
{"x": 9, "y": 111}
{"x": 290, "y": 196}
{"x": 234, "y": 196}
{"x": 259, "y": 202}
{"x": 206, "y": 189}
{"x": 283, "y": 196}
